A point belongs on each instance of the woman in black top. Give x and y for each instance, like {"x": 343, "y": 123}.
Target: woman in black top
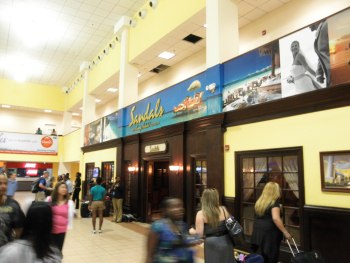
{"x": 77, "y": 188}
{"x": 268, "y": 227}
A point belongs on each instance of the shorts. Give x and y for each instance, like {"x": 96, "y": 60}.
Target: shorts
{"x": 97, "y": 205}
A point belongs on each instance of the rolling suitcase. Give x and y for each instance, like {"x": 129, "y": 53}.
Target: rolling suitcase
{"x": 84, "y": 209}
{"x": 304, "y": 257}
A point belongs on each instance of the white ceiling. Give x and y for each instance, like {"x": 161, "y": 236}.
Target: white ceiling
{"x": 82, "y": 28}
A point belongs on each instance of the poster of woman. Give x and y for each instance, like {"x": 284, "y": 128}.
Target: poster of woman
{"x": 299, "y": 63}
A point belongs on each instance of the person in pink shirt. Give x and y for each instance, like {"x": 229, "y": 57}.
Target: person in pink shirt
{"x": 62, "y": 213}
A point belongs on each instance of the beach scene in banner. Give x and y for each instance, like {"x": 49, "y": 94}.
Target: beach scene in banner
{"x": 252, "y": 78}
{"x": 110, "y": 127}
{"x": 193, "y": 98}
{"x": 339, "y": 45}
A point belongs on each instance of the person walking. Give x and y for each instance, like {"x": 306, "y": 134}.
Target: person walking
{"x": 210, "y": 224}
{"x": 77, "y": 188}
{"x": 11, "y": 185}
{"x": 35, "y": 244}
{"x": 117, "y": 200}
{"x": 11, "y": 215}
{"x": 69, "y": 184}
{"x": 268, "y": 228}
{"x": 62, "y": 213}
{"x": 96, "y": 204}
{"x": 167, "y": 240}
{"x": 40, "y": 195}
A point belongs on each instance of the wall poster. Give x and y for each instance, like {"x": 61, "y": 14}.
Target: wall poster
{"x": 93, "y": 133}
{"x": 252, "y": 78}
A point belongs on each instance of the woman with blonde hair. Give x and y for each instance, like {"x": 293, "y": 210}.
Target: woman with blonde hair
{"x": 210, "y": 224}
{"x": 268, "y": 227}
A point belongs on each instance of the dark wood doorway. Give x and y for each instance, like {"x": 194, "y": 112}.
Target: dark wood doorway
{"x": 157, "y": 185}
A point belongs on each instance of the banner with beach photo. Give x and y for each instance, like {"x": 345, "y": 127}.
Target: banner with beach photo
{"x": 110, "y": 129}
{"x": 339, "y": 46}
{"x": 252, "y": 78}
{"x": 193, "y": 98}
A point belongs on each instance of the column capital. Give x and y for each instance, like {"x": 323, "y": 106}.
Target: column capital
{"x": 123, "y": 23}
{"x": 84, "y": 66}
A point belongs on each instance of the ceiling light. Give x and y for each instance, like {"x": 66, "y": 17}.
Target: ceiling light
{"x": 112, "y": 89}
{"x": 5, "y": 106}
{"x": 48, "y": 110}
{"x": 81, "y": 108}
{"x": 75, "y": 114}
{"x": 139, "y": 75}
{"x": 20, "y": 66}
{"x": 97, "y": 100}
{"x": 205, "y": 25}
{"x": 166, "y": 55}
{"x": 34, "y": 25}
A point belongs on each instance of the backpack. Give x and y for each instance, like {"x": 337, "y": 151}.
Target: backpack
{"x": 35, "y": 186}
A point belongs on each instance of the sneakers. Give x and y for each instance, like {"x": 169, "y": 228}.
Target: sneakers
{"x": 100, "y": 231}
{"x": 94, "y": 231}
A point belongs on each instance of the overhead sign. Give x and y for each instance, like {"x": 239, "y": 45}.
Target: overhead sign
{"x": 156, "y": 148}
{"x": 28, "y": 143}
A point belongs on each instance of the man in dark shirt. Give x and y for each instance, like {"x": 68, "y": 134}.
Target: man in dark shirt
{"x": 117, "y": 200}
{"x": 11, "y": 215}
{"x": 77, "y": 188}
{"x": 40, "y": 195}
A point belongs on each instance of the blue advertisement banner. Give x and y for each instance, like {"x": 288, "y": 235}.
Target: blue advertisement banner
{"x": 193, "y": 98}
{"x": 110, "y": 127}
{"x": 252, "y": 78}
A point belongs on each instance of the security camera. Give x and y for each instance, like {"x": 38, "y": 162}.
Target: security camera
{"x": 112, "y": 45}
{"x": 143, "y": 13}
{"x": 153, "y": 3}
{"x": 132, "y": 22}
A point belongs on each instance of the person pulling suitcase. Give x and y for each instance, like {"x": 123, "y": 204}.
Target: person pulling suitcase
{"x": 304, "y": 257}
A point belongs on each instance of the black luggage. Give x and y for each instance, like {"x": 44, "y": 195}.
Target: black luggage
{"x": 84, "y": 209}
{"x": 305, "y": 257}
{"x": 107, "y": 210}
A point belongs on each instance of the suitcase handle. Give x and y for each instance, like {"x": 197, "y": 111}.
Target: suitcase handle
{"x": 291, "y": 249}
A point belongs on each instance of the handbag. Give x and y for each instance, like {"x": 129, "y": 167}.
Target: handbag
{"x": 232, "y": 225}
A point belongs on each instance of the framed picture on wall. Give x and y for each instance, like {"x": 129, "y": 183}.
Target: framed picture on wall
{"x": 335, "y": 171}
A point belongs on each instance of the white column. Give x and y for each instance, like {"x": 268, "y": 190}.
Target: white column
{"x": 128, "y": 80}
{"x": 89, "y": 104}
{"x": 67, "y": 123}
{"x": 222, "y": 31}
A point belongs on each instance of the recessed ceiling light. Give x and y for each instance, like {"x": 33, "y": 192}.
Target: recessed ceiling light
{"x": 139, "y": 75}
{"x": 166, "y": 55}
{"x": 112, "y": 89}
{"x": 75, "y": 114}
{"x": 205, "y": 25}
{"x": 97, "y": 100}
{"x": 5, "y": 106}
{"x": 48, "y": 110}
{"x": 81, "y": 108}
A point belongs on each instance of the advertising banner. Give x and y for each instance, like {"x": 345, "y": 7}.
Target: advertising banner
{"x": 28, "y": 143}
{"x": 110, "y": 127}
{"x": 252, "y": 78}
{"x": 193, "y": 98}
{"x": 93, "y": 133}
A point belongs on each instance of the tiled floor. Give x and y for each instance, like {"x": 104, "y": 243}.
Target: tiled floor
{"x": 118, "y": 243}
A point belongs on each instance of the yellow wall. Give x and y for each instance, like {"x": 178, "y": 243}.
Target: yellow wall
{"x": 150, "y": 30}
{"x": 97, "y": 157}
{"x": 105, "y": 69}
{"x": 31, "y": 95}
{"x": 316, "y": 132}
{"x": 71, "y": 147}
{"x": 75, "y": 95}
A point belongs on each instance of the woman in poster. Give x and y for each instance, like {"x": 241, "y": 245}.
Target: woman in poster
{"x": 302, "y": 75}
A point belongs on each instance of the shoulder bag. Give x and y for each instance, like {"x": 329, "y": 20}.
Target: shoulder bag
{"x": 232, "y": 225}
